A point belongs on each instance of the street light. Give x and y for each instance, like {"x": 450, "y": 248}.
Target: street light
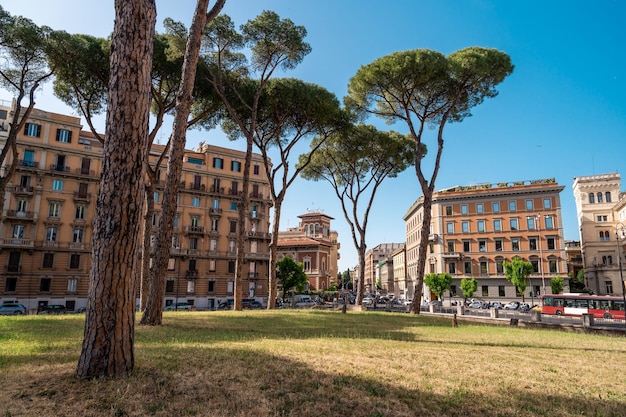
{"x": 621, "y": 226}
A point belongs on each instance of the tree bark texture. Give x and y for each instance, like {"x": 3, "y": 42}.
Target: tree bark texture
{"x": 108, "y": 342}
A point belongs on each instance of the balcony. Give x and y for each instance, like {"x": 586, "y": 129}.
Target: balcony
{"x": 59, "y": 168}
{"x": 197, "y": 187}
{"x": 18, "y": 214}
{"x": 82, "y": 197}
{"x": 192, "y": 274}
{"x": 28, "y": 164}
{"x": 196, "y": 230}
{"x": 258, "y": 235}
{"x": 216, "y": 190}
{"x": 259, "y": 256}
{"x": 16, "y": 243}
{"x": 84, "y": 171}
{"x": 234, "y": 192}
{"x": 451, "y": 255}
{"x": 215, "y": 211}
{"x": 23, "y": 190}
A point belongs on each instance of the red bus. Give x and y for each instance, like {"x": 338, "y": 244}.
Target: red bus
{"x": 601, "y": 306}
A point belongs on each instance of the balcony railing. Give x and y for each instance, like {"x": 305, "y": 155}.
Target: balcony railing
{"x": 20, "y": 214}
{"x": 84, "y": 171}
{"x": 197, "y": 187}
{"x": 192, "y": 274}
{"x": 28, "y": 164}
{"x": 23, "y": 189}
{"x": 80, "y": 196}
{"x": 59, "y": 168}
{"x": 194, "y": 229}
{"x": 455, "y": 255}
{"x": 13, "y": 242}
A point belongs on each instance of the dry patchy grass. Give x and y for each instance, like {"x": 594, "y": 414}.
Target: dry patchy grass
{"x": 315, "y": 363}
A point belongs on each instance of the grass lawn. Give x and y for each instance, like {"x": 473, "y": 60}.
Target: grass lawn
{"x": 315, "y": 363}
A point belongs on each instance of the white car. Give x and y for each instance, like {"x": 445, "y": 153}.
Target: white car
{"x": 305, "y": 303}
{"x": 182, "y": 306}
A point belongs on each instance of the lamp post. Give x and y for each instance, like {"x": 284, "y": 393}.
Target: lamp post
{"x": 621, "y": 227}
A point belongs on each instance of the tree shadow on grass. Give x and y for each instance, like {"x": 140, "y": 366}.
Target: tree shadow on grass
{"x": 244, "y": 382}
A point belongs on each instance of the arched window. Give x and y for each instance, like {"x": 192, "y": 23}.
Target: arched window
{"x": 610, "y": 260}
{"x": 599, "y": 197}
{"x": 604, "y": 260}
{"x": 601, "y": 236}
{"x": 592, "y": 198}
{"x": 607, "y": 197}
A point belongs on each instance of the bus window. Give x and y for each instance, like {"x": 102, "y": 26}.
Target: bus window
{"x": 558, "y": 302}
{"x": 547, "y": 301}
{"x": 581, "y": 303}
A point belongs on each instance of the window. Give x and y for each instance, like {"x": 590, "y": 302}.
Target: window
{"x": 529, "y": 204}
{"x": 466, "y": 246}
{"x": 57, "y": 185}
{"x": 21, "y": 206}
{"x": 499, "y": 266}
{"x": 169, "y": 285}
{"x": 195, "y": 161}
{"x": 552, "y": 265}
{"x": 193, "y": 243}
{"x": 592, "y": 198}
{"x": 450, "y": 227}
{"x": 512, "y": 206}
{"x": 448, "y": 210}
{"x": 480, "y": 208}
{"x": 10, "y": 285}
{"x": 44, "y": 284}
{"x": 452, "y": 268}
{"x": 233, "y": 206}
{"x": 464, "y": 209}
{"x": 497, "y": 225}
{"x": 78, "y": 235}
{"x": 530, "y": 223}
{"x": 171, "y": 264}
{"x": 467, "y": 267}
{"x": 481, "y": 225}
{"x": 452, "y": 290}
{"x": 214, "y": 224}
{"x": 231, "y": 267}
{"x": 54, "y": 209}
{"x": 495, "y": 207}
{"x": 485, "y": 290}
{"x": 535, "y": 264}
{"x": 552, "y": 243}
{"x": 232, "y": 226}
{"x": 450, "y": 245}
{"x": 483, "y": 268}
{"x": 532, "y": 243}
{"x": 195, "y": 201}
{"x": 235, "y": 166}
{"x": 431, "y": 247}
{"x": 51, "y": 234}
{"x": 211, "y": 286}
{"x": 549, "y": 222}
{"x": 75, "y": 261}
{"x": 18, "y": 231}
{"x": 33, "y": 130}
{"x": 306, "y": 264}
{"x": 501, "y": 292}
{"x": 155, "y": 219}
{"x": 64, "y": 135}
{"x": 482, "y": 245}
{"x": 602, "y": 218}
{"x": 48, "y": 260}
{"x": 515, "y": 244}
{"x": 212, "y": 265}
{"x": 156, "y": 196}
{"x": 514, "y": 224}
{"x": 80, "y": 213}
{"x": 176, "y": 222}
{"x": 191, "y": 286}
{"x": 599, "y": 195}
{"x": 465, "y": 228}
{"x": 498, "y": 243}
{"x": 229, "y": 286}
{"x": 547, "y": 203}
{"x": 72, "y": 285}
{"x": 607, "y": 197}
{"x": 608, "y": 286}
{"x": 195, "y": 221}
{"x": 256, "y": 169}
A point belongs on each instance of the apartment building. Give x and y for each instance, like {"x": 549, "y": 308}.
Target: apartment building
{"x": 399, "y": 271}
{"x": 601, "y": 212}
{"x": 475, "y": 229}
{"x": 315, "y": 245}
{"x": 373, "y": 257}
{"x": 45, "y": 235}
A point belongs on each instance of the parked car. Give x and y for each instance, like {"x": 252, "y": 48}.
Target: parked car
{"x": 475, "y": 304}
{"x": 12, "y": 309}
{"x": 226, "y": 305}
{"x": 52, "y": 309}
{"x": 513, "y": 305}
{"x": 305, "y": 303}
{"x": 496, "y": 304}
{"x": 252, "y": 304}
{"x": 181, "y": 306}
{"x": 436, "y": 303}
{"x": 367, "y": 301}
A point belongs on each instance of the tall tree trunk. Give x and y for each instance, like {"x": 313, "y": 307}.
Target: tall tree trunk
{"x": 144, "y": 286}
{"x": 108, "y": 342}
{"x": 273, "y": 282}
{"x": 153, "y": 314}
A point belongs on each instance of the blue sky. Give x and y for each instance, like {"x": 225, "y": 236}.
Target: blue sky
{"x": 561, "y": 113}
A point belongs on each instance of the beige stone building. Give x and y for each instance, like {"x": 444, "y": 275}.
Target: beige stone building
{"x": 45, "y": 234}
{"x": 381, "y": 253}
{"x": 601, "y": 212}
{"x": 475, "y": 229}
